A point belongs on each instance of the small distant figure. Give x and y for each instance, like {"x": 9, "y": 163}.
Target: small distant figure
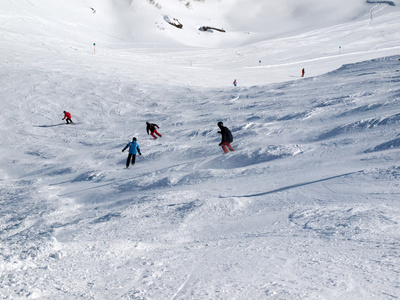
{"x": 227, "y": 138}
{"x": 259, "y": 62}
{"x": 151, "y": 127}
{"x": 235, "y": 83}
{"x": 67, "y": 117}
{"x": 133, "y": 149}
{"x": 303, "y": 72}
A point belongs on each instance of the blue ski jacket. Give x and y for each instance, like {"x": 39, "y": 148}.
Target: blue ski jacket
{"x": 133, "y": 148}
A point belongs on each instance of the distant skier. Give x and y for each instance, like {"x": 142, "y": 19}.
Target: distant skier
{"x": 303, "y": 72}
{"x": 227, "y": 138}
{"x": 151, "y": 127}
{"x": 235, "y": 82}
{"x": 133, "y": 149}
{"x": 67, "y": 117}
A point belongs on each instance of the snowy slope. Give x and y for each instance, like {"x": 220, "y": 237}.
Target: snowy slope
{"x": 121, "y": 23}
{"x": 305, "y": 208}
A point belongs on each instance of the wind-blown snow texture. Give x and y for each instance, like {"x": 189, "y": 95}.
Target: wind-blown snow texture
{"x": 307, "y": 207}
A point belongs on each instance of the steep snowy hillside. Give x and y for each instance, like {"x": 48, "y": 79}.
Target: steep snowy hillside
{"x": 79, "y": 29}
{"x": 243, "y": 21}
{"x": 119, "y": 23}
{"x": 306, "y": 207}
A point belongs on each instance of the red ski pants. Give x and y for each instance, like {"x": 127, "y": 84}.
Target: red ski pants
{"x": 224, "y": 146}
{"x": 155, "y": 132}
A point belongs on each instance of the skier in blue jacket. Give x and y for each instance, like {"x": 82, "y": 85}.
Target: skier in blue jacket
{"x": 133, "y": 149}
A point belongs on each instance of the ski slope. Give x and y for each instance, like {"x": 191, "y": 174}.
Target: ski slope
{"x": 305, "y": 208}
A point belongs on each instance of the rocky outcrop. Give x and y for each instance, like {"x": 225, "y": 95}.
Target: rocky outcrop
{"x": 211, "y": 29}
{"x": 173, "y": 22}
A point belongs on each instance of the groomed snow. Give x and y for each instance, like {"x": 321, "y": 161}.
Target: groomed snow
{"x": 307, "y": 207}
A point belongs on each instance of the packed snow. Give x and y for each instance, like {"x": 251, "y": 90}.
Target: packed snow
{"x": 306, "y": 207}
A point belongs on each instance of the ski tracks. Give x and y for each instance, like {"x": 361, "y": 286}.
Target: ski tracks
{"x": 371, "y": 12}
{"x": 182, "y": 287}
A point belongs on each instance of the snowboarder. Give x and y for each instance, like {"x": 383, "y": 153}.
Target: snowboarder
{"x": 227, "y": 138}
{"x": 303, "y": 72}
{"x": 67, "y": 117}
{"x": 133, "y": 149}
{"x": 235, "y": 83}
{"x": 152, "y": 129}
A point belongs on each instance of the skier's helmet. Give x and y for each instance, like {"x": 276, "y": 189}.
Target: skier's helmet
{"x": 134, "y": 139}
{"x": 220, "y": 124}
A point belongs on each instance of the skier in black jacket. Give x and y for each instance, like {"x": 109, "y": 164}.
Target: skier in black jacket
{"x": 152, "y": 128}
{"x": 227, "y": 138}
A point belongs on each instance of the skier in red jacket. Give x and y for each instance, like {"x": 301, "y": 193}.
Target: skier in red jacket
{"x": 67, "y": 117}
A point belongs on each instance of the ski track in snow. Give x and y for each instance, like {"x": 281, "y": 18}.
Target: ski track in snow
{"x": 305, "y": 208}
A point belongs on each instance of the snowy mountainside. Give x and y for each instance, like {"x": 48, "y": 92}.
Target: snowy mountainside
{"x": 123, "y": 22}
{"x": 310, "y": 188}
{"x": 306, "y": 207}
{"x": 244, "y": 21}
{"x": 73, "y": 29}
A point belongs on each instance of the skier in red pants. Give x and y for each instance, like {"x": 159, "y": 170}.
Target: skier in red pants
{"x": 152, "y": 129}
{"x": 227, "y": 138}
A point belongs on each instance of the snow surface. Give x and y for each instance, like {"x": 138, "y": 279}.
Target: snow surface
{"x": 307, "y": 207}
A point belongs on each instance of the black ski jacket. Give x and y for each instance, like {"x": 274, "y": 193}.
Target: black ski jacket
{"x": 226, "y": 135}
{"x": 151, "y": 127}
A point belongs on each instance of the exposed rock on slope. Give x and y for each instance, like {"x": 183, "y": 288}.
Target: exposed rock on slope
{"x": 211, "y": 29}
{"x": 173, "y": 22}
